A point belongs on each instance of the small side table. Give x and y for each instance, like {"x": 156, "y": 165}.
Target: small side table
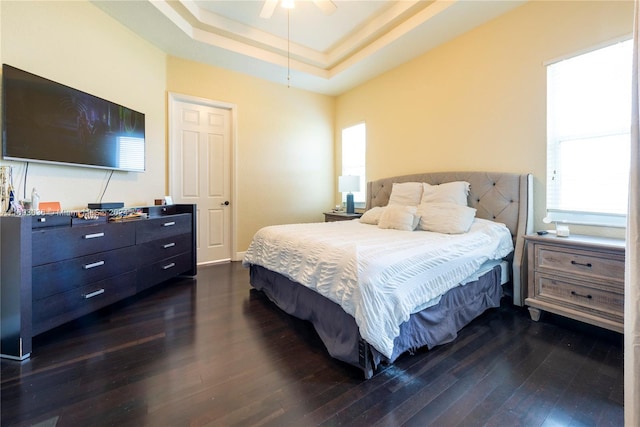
{"x": 580, "y": 277}
{"x": 340, "y": 216}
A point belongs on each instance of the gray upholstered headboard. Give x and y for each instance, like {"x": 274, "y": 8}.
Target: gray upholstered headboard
{"x": 497, "y": 196}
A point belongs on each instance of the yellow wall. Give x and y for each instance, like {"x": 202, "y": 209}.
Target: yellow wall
{"x": 479, "y": 101}
{"x": 284, "y": 154}
{"x": 76, "y": 44}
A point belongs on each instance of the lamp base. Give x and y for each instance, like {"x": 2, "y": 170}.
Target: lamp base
{"x": 350, "y": 209}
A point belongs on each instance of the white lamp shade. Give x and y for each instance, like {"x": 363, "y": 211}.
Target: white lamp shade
{"x": 348, "y": 183}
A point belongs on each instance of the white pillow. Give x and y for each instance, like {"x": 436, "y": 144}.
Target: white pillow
{"x": 405, "y": 194}
{"x": 449, "y": 192}
{"x": 399, "y": 218}
{"x": 448, "y": 218}
{"x": 372, "y": 216}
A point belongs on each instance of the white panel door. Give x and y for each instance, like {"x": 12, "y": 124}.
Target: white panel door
{"x": 200, "y": 173}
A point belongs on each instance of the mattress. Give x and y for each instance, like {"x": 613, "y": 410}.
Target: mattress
{"x": 379, "y": 277}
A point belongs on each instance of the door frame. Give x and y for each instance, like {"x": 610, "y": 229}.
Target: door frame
{"x": 233, "y": 109}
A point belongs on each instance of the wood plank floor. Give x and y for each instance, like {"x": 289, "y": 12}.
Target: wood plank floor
{"x": 211, "y": 352}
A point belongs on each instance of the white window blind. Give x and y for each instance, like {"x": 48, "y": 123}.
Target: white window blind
{"x": 354, "y": 147}
{"x": 588, "y": 136}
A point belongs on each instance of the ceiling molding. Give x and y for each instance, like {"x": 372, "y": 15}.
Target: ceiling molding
{"x": 325, "y": 54}
{"x": 392, "y": 23}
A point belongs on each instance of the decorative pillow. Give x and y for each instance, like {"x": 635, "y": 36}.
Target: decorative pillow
{"x": 449, "y": 192}
{"x": 405, "y": 193}
{"x": 399, "y": 218}
{"x": 372, "y": 216}
{"x": 448, "y": 218}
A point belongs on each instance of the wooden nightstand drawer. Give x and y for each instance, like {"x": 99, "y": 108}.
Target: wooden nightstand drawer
{"x": 340, "y": 216}
{"x": 582, "y": 295}
{"x": 579, "y": 262}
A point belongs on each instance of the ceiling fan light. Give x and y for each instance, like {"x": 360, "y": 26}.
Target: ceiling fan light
{"x": 288, "y": 4}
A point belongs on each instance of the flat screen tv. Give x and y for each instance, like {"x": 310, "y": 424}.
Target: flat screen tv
{"x": 45, "y": 121}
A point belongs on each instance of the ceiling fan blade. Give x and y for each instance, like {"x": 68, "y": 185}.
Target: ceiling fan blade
{"x": 327, "y": 6}
{"x": 268, "y": 8}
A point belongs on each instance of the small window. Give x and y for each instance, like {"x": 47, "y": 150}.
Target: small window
{"x": 354, "y": 146}
{"x": 588, "y": 136}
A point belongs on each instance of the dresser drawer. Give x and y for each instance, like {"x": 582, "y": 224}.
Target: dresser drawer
{"x": 53, "y": 278}
{"x": 576, "y": 262}
{"x": 159, "y": 228}
{"x": 60, "y": 308}
{"x": 163, "y": 270}
{"x": 42, "y": 221}
{"x": 579, "y": 295}
{"x": 160, "y": 249}
{"x": 57, "y": 244}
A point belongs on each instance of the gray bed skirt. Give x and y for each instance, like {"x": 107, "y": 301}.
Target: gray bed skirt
{"x": 338, "y": 330}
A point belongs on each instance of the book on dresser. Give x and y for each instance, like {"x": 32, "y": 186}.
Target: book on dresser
{"x": 57, "y": 268}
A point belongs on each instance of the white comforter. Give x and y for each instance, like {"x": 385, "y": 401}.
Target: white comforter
{"x": 378, "y": 276}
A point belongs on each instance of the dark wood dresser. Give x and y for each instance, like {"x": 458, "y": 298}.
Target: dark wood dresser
{"x": 56, "y": 268}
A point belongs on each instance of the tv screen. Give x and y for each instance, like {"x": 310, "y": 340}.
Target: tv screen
{"x": 45, "y": 121}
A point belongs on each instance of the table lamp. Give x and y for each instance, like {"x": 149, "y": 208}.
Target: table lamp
{"x": 348, "y": 184}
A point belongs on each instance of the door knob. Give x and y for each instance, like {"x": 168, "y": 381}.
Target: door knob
{"x": 226, "y": 203}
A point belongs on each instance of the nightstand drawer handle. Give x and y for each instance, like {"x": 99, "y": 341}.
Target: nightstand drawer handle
{"x": 168, "y": 266}
{"x": 93, "y": 294}
{"x": 585, "y": 264}
{"x": 169, "y": 224}
{"x": 168, "y": 245}
{"x": 575, "y": 294}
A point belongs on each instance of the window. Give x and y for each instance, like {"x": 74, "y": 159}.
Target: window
{"x": 354, "y": 146}
{"x": 588, "y": 136}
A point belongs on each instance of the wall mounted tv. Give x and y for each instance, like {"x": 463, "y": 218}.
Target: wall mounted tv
{"x": 45, "y": 121}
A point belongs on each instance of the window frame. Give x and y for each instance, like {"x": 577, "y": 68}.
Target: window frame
{"x": 357, "y": 167}
{"x": 573, "y": 214}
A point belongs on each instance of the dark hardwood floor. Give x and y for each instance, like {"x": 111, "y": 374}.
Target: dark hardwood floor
{"x": 211, "y": 352}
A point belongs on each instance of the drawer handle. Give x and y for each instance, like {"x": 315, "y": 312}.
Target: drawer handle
{"x": 582, "y": 264}
{"x": 169, "y": 224}
{"x": 168, "y": 266}
{"x": 42, "y": 219}
{"x": 168, "y": 245}
{"x": 93, "y": 236}
{"x": 93, "y": 294}
{"x": 93, "y": 265}
{"x": 575, "y": 294}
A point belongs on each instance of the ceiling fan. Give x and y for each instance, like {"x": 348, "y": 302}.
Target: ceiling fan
{"x": 327, "y": 7}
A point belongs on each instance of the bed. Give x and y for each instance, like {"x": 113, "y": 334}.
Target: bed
{"x": 373, "y": 291}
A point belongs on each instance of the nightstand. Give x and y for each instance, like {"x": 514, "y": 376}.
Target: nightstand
{"x": 340, "y": 216}
{"x": 580, "y": 277}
